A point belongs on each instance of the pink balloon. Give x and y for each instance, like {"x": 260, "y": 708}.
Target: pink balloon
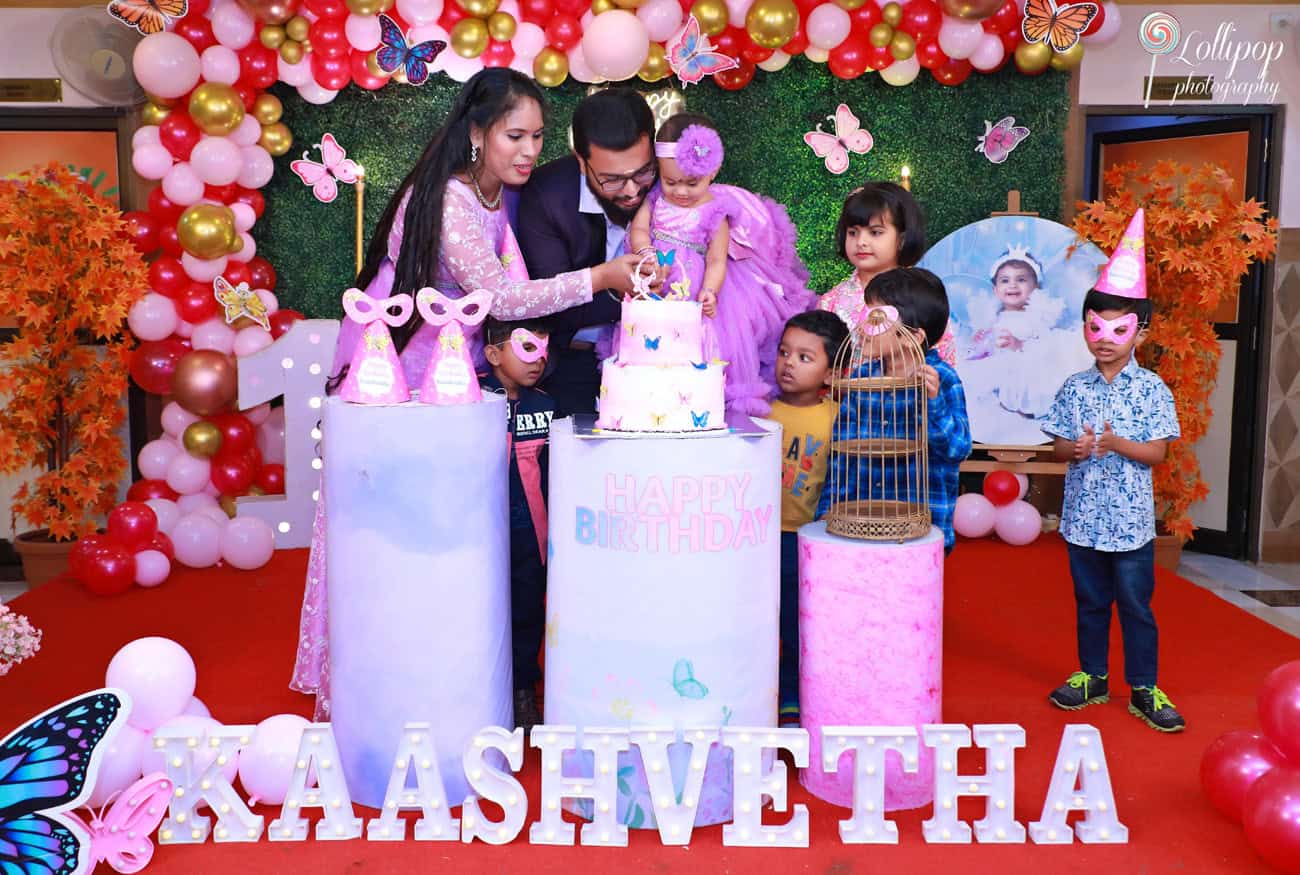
{"x": 268, "y": 300}
{"x": 216, "y": 514}
{"x": 175, "y": 419}
{"x": 827, "y": 26}
{"x": 151, "y": 567}
{"x": 248, "y": 132}
{"x": 1110, "y": 26}
{"x": 362, "y": 32}
{"x": 184, "y": 329}
{"x": 1232, "y": 764}
{"x": 270, "y": 438}
{"x": 420, "y": 11}
{"x": 298, "y": 74}
{"x": 119, "y": 764}
{"x": 217, "y": 160}
{"x": 153, "y": 317}
{"x": 248, "y": 250}
{"x": 1279, "y": 709}
{"x": 737, "y": 9}
{"x": 154, "y": 760}
{"x": 257, "y": 167}
{"x": 155, "y": 457}
{"x": 252, "y": 339}
{"x": 1018, "y": 523}
{"x": 432, "y": 32}
{"x": 151, "y": 161}
{"x": 188, "y": 474}
{"x": 146, "y": 135}
{"x": 197, "y": 708}
{"x": 166, "y": 65}
{"x": 158, "y": 675}
{"x": 662, "y": 19}
{"x": 530, "y": 40}
{"x": 247, "y": 542}
{"x": 197, "y": 539}
{"x": 315, "y": 93}
{"x": 219, "y": 64}
{"x": 579, "y": 69}
{"x": 182, "y": 185}
{"x": 988, "y": 54}
{"x": 458, "y": 68}
{"x": 616, "y": 44}
{"x": 188, "y": 504}
{"x": 167, "y": 511}
{"x": 232, "y": 26}
{"x": 973, "y": 516}
{"x": 257, "y": 415}
{"x": 245, "y": 218}
{"x": 203, "y": 270}
{"x": 266, "y": 766}
{"x": 1271, "y": 817}
{"x": 958, "y": 37}
{"x": 215, "y": 334}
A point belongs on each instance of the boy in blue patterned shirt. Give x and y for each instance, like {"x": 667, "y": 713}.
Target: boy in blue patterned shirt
{"x": 1113, "y": 422}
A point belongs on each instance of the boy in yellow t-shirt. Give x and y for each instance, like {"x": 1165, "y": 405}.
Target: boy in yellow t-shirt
{"x": 803, "y": 370}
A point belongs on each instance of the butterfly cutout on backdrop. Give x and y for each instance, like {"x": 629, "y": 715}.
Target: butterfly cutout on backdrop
{"x": 148, "y": 16}
{"x": 1000, "y": 140}
{"x": 397, "y": 52}
{"x": 849, "y": 137}
{"x": 324, "y": 178}
{"x": 684, "y": 681}
{"x": 1057, "y": 25}
{"x": 240, "y": 301}
{"x": 691, "y": 56}
{"x": 120, "y": 837}
{"x": 47, "y": 767}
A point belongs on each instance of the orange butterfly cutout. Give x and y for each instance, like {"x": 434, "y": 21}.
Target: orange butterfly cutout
{"x": 1060, "y": 26}
{"x": 148, "y": 16}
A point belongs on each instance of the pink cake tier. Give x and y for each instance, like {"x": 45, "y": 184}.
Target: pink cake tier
{"x": 670, "y": 398}
{"x": 661, "y": 333}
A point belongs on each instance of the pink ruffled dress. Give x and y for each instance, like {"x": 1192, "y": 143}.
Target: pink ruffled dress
{"x": 478, "y": 251}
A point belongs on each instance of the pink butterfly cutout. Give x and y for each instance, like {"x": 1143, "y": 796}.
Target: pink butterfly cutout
{"x": 1000, "y": 140}
{"x": 848, "y": 137}
{"x": 321, "y": 177}
{"x": 691, "y": 56}
{"x": 121, "y": 837}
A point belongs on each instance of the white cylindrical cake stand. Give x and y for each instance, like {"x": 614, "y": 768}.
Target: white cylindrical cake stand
{"x": 663, "y": 593}
{"x": 418, "y": 574}
{"x": 870, "y": 651}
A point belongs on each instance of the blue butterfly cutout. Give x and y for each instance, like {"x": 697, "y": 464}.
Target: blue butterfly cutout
{"x": 666, "y": 258}
{"x": 701, "y": 420}
{"x": 43, "y": 768}
{"x": 700, "y": 366}
{"x": 684, "y": 681}
{"x": 396, "y": 51}
{"x": 653, "y": 342}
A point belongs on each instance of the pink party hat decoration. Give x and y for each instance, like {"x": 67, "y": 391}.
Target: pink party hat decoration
{"x": 450, "y": 377}
{"x": 1125, "y": 275}
{"x": 375, "y": 375}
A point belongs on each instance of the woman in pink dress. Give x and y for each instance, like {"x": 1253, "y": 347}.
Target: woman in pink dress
{"x": 446, "y": 227}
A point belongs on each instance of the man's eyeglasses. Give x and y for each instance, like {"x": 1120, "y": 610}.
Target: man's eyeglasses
{"x": 613, "y": 184}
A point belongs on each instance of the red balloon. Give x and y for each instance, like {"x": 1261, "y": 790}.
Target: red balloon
{"x": 851, "y": 58}
{"x": 143, "y": 490}
{"x": 1232, "y": 764}
{"x": 575, "y": 8}
{"x": 1271, "y": 816}
{"x": 232, "y": 475}
{"x": 328, "y": 38}
{"x": 196, "y": 303}
{"x": 163, "y": 544}
{"x": 237, "y": 272}
{"x": 1279, "y": 709}
{"x": 132, "y": 524}
{"x": 331, "y": 73}
{"x": 797, "y": 44}
{"x": 281, "y": 320}
{"x": 1010, "y": 40}
{"x": 254, "y": 199}
{"x": 327, "y": 8}
{"x": 922, "y": 18}
{"x": 160, "y": 206}
{"x": 563, "y": 32}
{"x": 536, "y": 11}
{"x": 270, "y": 479}
{"x": 865, "y": 16}
{"x": 199, "y": 7}
{"x": 84, "y": 551}
{"x": 223, "y": 193}
{"x": 153, "y": 363}
{"x": 197, "y": 30}
{"x": 237, "y": 433}
{"x": 757, "y": 54}
{"x": 247, "y": 94}
{"x": 929, "y": 55}
{"x": 1001, "y": 487}
{"x": 1097, "y": 21}
{"x": 109, "y": 571}
{"x": 263, "y": 273}
{"x": 879, "y": 57}
{"x": 169, "y": 240}
{"x": 179, "y": 134}
{"x": 498, "y": 54}
{"x": 451, "y": 13}
{"x": 142, "y": 228}
{"x": 166, "y": 276}
{"x": 734, "y": 80}
{"x": 953, "y": 73}
{"x": 254, "y": 457}
{"x": 1008, "y": 17}
{"x": 257, "y": 65}
{"x": 730, "y": 41}
{"x": 361, "y": 74}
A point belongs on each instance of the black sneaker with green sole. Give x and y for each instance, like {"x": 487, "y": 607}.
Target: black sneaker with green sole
{"x": 1152, "y": 707}
{"x": 1080, "y": 691}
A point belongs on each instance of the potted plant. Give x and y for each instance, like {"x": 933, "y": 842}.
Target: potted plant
{"x": 68, "y": 275}
{"x": 1201, "y": 240}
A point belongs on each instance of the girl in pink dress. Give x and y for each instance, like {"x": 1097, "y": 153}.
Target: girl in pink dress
{"x": 446, "y": 228}
{"x": 729, "y": 249}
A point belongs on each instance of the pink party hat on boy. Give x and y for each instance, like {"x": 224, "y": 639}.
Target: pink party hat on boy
{"x": 1125, "y": 275}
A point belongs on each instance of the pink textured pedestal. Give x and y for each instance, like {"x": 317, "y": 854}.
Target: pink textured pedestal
{"x": 870, "y": 651}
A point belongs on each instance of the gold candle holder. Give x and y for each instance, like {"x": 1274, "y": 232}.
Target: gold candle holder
{"x": 361, "y": 212}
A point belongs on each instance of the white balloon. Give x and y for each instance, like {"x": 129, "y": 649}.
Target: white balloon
{"x": 313, "y": 92}
{"x": 827, "y": 26}
{"x": 988, "y": 54}
{"x": 298, "y": 74}
{"x": 959, "y": 38}
{"x": 1110, "y": 26}
{"x": 220, "y": 64}
{"x": 902, "y": 72}
{"x": 816, "y": 55}
{"x": 777, "y": 61}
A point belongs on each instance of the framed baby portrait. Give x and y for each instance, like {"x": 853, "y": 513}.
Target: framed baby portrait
{"x": 1016, "y": 293}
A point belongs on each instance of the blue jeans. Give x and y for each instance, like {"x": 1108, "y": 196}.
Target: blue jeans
{"x": 789, "y": 672}
{"x": 1126, "y": 580}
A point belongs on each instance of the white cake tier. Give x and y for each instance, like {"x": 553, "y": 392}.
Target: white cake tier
{"x": 661, "y": 333}
{"x": 647, "y": 398}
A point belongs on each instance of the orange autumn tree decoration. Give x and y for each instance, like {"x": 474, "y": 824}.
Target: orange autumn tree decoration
{"x": 1201, "y": 240}
{"x": 68, "y": 275}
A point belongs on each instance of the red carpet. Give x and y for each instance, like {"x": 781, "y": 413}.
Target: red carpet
{"x": 1009, "y": 628}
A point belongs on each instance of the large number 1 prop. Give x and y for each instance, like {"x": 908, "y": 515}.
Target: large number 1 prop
{"x": 295, "y": 366}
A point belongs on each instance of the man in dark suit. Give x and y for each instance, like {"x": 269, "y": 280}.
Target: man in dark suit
{"x": 573, "y": 213}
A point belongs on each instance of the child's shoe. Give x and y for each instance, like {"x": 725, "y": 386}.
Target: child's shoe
{"x": 1152, "y": 707}
{"x": 789, "y": 714}
{"x": 1080, "y": 691}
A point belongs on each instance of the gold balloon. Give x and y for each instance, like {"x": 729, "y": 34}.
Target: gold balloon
{"x": 204, "y": 382}
{"x": 227, "y": 503}
{"x": 270, "y": 11}
{"x": 599, "y": 6}
{"x": 276, "y": 138}
{"x": 291, "y": 51}
{"x": 202, "y": 439}
{"x": 388, "y": 4}
{"x": 267, "y": 109}
{"x": 306, "y": 46}
{"x": 850, "y": 5}
{"x": 629, "y": 4}
{"x": 902, "y": 46}
{"x": 256, "y": 490}
{"x": 880, "y": 34}
{"x": 711, "y": 14}
{"x": 272, "y": 36}
{"x": 1069, "y": 59}
{"x": 971, "y": 10}
{"x": 771, "y": 23}
{"x": 469, "y": 37}
{"x": 162, "y": 101}
{"x": 550, "y": 67}
{"x": 365, "y": 7}
{"x": 891, "y": 14}
{"x": 478, "y": 8}
{"x": 153, "y": 114}
{"x": 372, "y": 64}
{"x": 502, "y": 26}
{"x": 208, "y": 231}
{"x": 297, "y": 28}
{"x": 656, "y": 64}
{"x": 1033, "y": 57}
{"x": 216, "y": 108}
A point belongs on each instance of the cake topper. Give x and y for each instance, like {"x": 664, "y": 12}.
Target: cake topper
{"x": 450, "y": 378}
{"x": 240, "y": 301}
{"x": 375, "y": 375}
{"x": 641, "y": 280}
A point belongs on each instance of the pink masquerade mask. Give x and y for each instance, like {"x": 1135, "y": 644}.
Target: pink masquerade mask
{"x": 450, "y": 379}
{"x": 363, "y": 309}
{"x": 520, "y": 339}
{"x": 1118, "y": 331}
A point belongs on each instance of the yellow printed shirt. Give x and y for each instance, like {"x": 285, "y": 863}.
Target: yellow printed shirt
{"x": 807, "y": 434}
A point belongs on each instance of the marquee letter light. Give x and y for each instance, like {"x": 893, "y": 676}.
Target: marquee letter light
{"x": 997, "y": 784}
{"x": 751, "y": 784}
{"x": 601, "y": 789}
{"x": 869, "y": 743}
{"x": 330, "y": 793}
{"x": 675, "y": 819}
{"x": 494, "y": 785}
{"x": 429, "y": 795}
{"x": 1080, "y": 782}
{"x": 235, "y": 822}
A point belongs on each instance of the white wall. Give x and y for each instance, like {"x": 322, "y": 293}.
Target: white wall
{"x": 26, "y": 53}
{"x": 1113, "y": 75}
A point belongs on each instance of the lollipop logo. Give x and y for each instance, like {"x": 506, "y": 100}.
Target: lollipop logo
{"x": 1159, "y": 33}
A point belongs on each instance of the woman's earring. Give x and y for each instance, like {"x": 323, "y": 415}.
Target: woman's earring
{"x": 473, "y": 154}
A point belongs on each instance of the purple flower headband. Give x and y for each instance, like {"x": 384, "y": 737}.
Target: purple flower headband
{"x": 698, "y": 151}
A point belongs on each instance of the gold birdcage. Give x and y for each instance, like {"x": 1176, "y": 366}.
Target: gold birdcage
{"x": 878, "y": 471}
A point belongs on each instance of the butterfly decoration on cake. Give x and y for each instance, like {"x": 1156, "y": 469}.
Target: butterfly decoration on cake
{"x": 684, "y": 681}
{"x": 375, "y": 375}
{"x": 119, "y": 833}
{"x": 849, "y": 136}
{"x": 48, "y": 767}
{"x": 148, "y": 16}
{"x": 700, "y": 420}
{"x": 324, "y": 176}
{"x": 691, "y": 56}
{"x": 999, "y": 140}
{"x": 240, "y": 301}
{"x": 1057, "y": 25}
{"x": 449, "y": 378}
{"x": 395, "y": 52}
{"x": 652, "y": 342}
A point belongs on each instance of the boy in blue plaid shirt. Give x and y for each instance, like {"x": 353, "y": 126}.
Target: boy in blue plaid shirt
{"x": 922, "y": 304}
